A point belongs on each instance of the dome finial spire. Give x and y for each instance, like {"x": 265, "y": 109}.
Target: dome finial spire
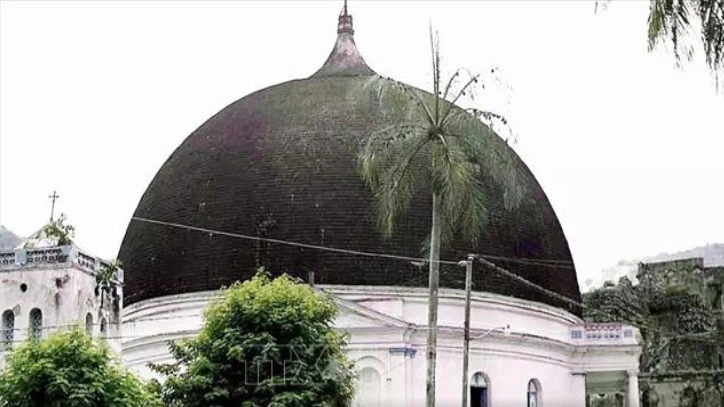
{"x": 344, "y": 60}
{"x": 345, "y": 21}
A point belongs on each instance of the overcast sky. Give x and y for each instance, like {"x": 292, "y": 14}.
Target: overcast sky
{"x": 94, "y": 97}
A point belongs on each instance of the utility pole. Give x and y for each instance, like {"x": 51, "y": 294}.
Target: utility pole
{"x": 311, "y": 279}
{"x": 466, "y": 333}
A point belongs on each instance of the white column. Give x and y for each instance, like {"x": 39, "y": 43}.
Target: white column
{"x": 577, "y": 390}
{"x": 632, "y": 388}
{"x": 409, "y": 378}
{"x": 396, "y": 378}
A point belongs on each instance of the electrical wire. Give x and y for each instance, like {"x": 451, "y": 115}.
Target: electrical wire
{"x": 522, "y": 260}
{"x": 530, "y": 284}
{"x": 289, "y": 243}
{"x": 482, "y": 258}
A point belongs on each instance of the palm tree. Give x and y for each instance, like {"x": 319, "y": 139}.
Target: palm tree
{"x": 104, "y": 280}
{"x": 442, "y": 146}
{"x": 672, "y": 21}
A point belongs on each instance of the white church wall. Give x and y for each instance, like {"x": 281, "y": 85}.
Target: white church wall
{"x": 487, "y": 310}
{"x": 58, "y": 281}
{"x": 64, "y": 296}
{"x": 388, "y": 338}
{"x": 509, "y": 362}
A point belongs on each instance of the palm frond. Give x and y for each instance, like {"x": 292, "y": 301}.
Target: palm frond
{"x": 495, "y": 122}
{"x": 657, "y": 22}
{"x": 669, "y": 19}
{"x": 395, "y": 96}
{"x": 456, "y": 178}
{"x": 431, "y": 118}
{"x": 435, "y": 47}
{"x": 444, "y": 146}
{"x": 485, "y": 148}
{"x": 460, "y": 93}
{"x": 711, "y": 13}
{"x": 386, "y": 167}
{"x": 380, "y": 140}
{"x": 451, "y": 83}
{"x": 411, "y": 95}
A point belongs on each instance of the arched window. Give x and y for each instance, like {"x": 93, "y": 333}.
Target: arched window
{"x": 533, "y": 393}
{"x": 369, "y": 388}
{"x": 104, "y": 327}
{"x": 36, "y": 324}
{"x": 480, "y": 390}
{"x": 89, "y": 324}
{"x": 8, "y": 332}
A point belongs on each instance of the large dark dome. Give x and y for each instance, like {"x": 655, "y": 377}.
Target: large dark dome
{"x": 281, "y": 163}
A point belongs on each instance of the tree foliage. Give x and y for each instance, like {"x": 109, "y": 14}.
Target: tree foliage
{"x": 673, "y": 22}
{"x": 441, "y": 146}
{"x": 446, "y": 149}
{"x": 617, "y": 303}
{"x": 682, "y": 336}
{"x": 105, "y": 284}
{"x": 69, "y": 370}
{"x": 59, "y": 229}
{"x": 265, "y": 342}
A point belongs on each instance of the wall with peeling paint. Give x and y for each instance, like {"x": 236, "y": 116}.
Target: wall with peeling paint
{"x": 60, "y": 282}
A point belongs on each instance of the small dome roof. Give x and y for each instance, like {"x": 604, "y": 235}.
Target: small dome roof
{"x": 281, "y": 163}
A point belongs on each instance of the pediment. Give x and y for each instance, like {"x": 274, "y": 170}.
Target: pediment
{"x": 354, "y": 315}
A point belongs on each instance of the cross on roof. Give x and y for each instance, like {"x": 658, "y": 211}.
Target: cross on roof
{"x": 53, "y": 197}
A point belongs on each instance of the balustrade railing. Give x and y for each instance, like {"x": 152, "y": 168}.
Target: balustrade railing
{"x": 59, "y": 255}
{"x": 603, "y": 332}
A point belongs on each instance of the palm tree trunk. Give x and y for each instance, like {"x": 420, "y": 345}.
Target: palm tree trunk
{"x": 432, "y": 302}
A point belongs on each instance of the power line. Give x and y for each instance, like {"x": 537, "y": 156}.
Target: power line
{"x": 482, "y": 258}
{"x": 290, "y": 243}
{"x": 559, "y": 264}
{"x": 530, "y": 261}
{"x": 530, "y": 284}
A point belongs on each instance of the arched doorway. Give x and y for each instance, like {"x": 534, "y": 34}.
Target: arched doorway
{"x": 89, "y": 324}
{"x": 369, "y": 388}
{"x": 534, "y": 393}
{"x": 480, "y": 390}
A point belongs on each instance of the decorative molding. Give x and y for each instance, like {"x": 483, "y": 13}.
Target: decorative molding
{"x": 53, "y": 257}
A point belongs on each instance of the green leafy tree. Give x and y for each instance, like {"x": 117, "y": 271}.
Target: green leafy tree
{"x": 264, "y": 342}
{"x": 618, "y": 303}
{"x": 444, "y": 148}
{"x": 69, "y": 370}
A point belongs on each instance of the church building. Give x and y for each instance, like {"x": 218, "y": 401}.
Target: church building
{"x": 47, "y": 283}
{"x": 281, "y": 164}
